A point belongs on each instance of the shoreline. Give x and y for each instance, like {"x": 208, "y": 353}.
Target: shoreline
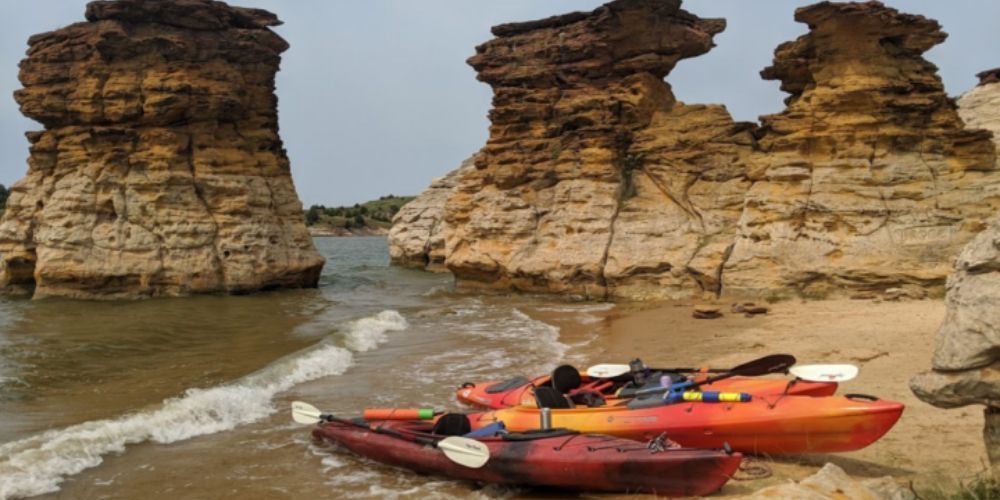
{"x": 888, "y": 341}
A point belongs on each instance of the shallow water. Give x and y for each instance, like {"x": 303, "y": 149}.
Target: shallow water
{"x": 188, "y": 398}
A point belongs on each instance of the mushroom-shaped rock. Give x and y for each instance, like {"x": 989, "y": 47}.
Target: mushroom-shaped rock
{"x": 595, "y": 181}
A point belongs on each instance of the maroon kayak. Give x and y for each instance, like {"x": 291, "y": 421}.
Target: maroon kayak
{"x": 559, "y": 459}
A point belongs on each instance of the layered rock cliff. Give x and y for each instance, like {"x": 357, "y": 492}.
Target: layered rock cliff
{"x": 596, "y": 182}
{"x": 869, "y": 179}
{"x": 966, "y": 363}
{"x": 417, "y": 235}
{"x": 594, "y": 177}
{"x": 160, "y": 170}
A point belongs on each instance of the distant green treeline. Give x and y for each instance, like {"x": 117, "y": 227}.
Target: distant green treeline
{"x": 375, "y": 213}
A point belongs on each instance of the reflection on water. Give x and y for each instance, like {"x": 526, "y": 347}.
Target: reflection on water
{"x": 88, "y": 389}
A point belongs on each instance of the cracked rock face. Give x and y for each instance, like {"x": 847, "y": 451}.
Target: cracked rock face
{"x": 160, "y": 170}
{"x": 595, "y": 181}
{"x": 417, "y": 235}
{"x": 966, "y": 356}
{"x": 869, "y": 179}
{"x": 966, "y": 363}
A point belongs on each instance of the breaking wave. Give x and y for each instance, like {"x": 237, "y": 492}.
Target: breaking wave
{"x": 38, "y": 464}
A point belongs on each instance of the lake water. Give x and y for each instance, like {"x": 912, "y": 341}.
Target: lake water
{"x": 188, "y": 398}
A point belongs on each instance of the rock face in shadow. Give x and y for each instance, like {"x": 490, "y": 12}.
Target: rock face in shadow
{"x": 160, "y": 170}
{"x": 869, "y": 179}
{"x": 417, "y": 235}
{"x": 595, "y": 181}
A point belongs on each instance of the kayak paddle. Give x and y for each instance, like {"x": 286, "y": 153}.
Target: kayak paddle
{"x": 775, "y": 363}
{"x": 609, "y": 370}
{"x": 824, "y": 373}
{"x": 809, "y": 373}
{"x": 462, "y": 451}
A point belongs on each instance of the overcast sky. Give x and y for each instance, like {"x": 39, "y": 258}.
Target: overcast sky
{"x": 376, "y": 98}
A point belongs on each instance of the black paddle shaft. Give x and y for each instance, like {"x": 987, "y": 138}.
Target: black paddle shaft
{"x": 775, "y": 363}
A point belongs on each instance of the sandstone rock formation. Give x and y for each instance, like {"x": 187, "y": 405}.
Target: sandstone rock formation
{"x": 869, "y": 179}
{"x": 967, "y": 355}
{"x": 980, "y": 107}
{"x": 417, "y": 235}
{"x": 596, "y": 182}
{"x": 160, "y": 170}
{"x": 832, "y": 483}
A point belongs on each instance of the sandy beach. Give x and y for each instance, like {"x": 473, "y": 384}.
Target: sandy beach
{"x": 889, "y": 341}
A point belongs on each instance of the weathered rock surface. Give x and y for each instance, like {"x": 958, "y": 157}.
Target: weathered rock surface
{"x": 596, "y": 182}
{"x": 160, "y": 170}
{"x": 832, "y": 483}
{"x": 980, "y": 107}
{"x": 966, "y": 363}
{"x": 417, "y": 235}
{"x": 968, "y": 342}
{"x": 869, "y": 179}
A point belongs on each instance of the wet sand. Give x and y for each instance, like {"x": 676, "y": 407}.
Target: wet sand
{"x": 889, "y": 341}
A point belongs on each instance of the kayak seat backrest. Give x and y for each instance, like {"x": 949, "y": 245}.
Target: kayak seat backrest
{"x": 547, "y": 397}
{"x": 452, "y": 424}
{"x": 565, "y": 378}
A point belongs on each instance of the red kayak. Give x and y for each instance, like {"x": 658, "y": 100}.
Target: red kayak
{"x": 556, "y": 458}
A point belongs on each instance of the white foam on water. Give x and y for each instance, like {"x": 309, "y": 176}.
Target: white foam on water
{"x": 496, "y": 341}
{"x": 38, "y": 464}
{"x": 367, "y": 333}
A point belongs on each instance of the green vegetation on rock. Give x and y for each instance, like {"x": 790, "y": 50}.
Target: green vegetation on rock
{"x": 373, "y": 214}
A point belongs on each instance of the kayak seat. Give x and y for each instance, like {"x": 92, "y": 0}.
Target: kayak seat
{"x": 452, "y": 424}
{"x": 565, "y": 378}
{"x": 590, "y": 399}
{"x": 547, "y": 397}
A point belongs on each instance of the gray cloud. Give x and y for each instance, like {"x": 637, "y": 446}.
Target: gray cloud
{"x": 376, "y": 98}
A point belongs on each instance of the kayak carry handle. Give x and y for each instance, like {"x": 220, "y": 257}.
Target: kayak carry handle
{"x": 863, "y": 397}
{"x": 398, "y": 413}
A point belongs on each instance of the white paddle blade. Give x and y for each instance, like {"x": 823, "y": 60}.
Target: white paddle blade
{"x": 464, "y": 451}
{"x": 305, "y": 413}
{"x": 824, "y": 373}
{"x": 607, "y": 370}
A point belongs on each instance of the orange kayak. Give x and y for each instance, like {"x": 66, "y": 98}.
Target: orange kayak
{"x": 518, "y": 391}
{"x": 774, "y": 424}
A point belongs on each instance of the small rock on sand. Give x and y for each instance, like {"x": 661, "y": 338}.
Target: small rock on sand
{"x": 832, "y": 483}
{"x": 705, "y": 311}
